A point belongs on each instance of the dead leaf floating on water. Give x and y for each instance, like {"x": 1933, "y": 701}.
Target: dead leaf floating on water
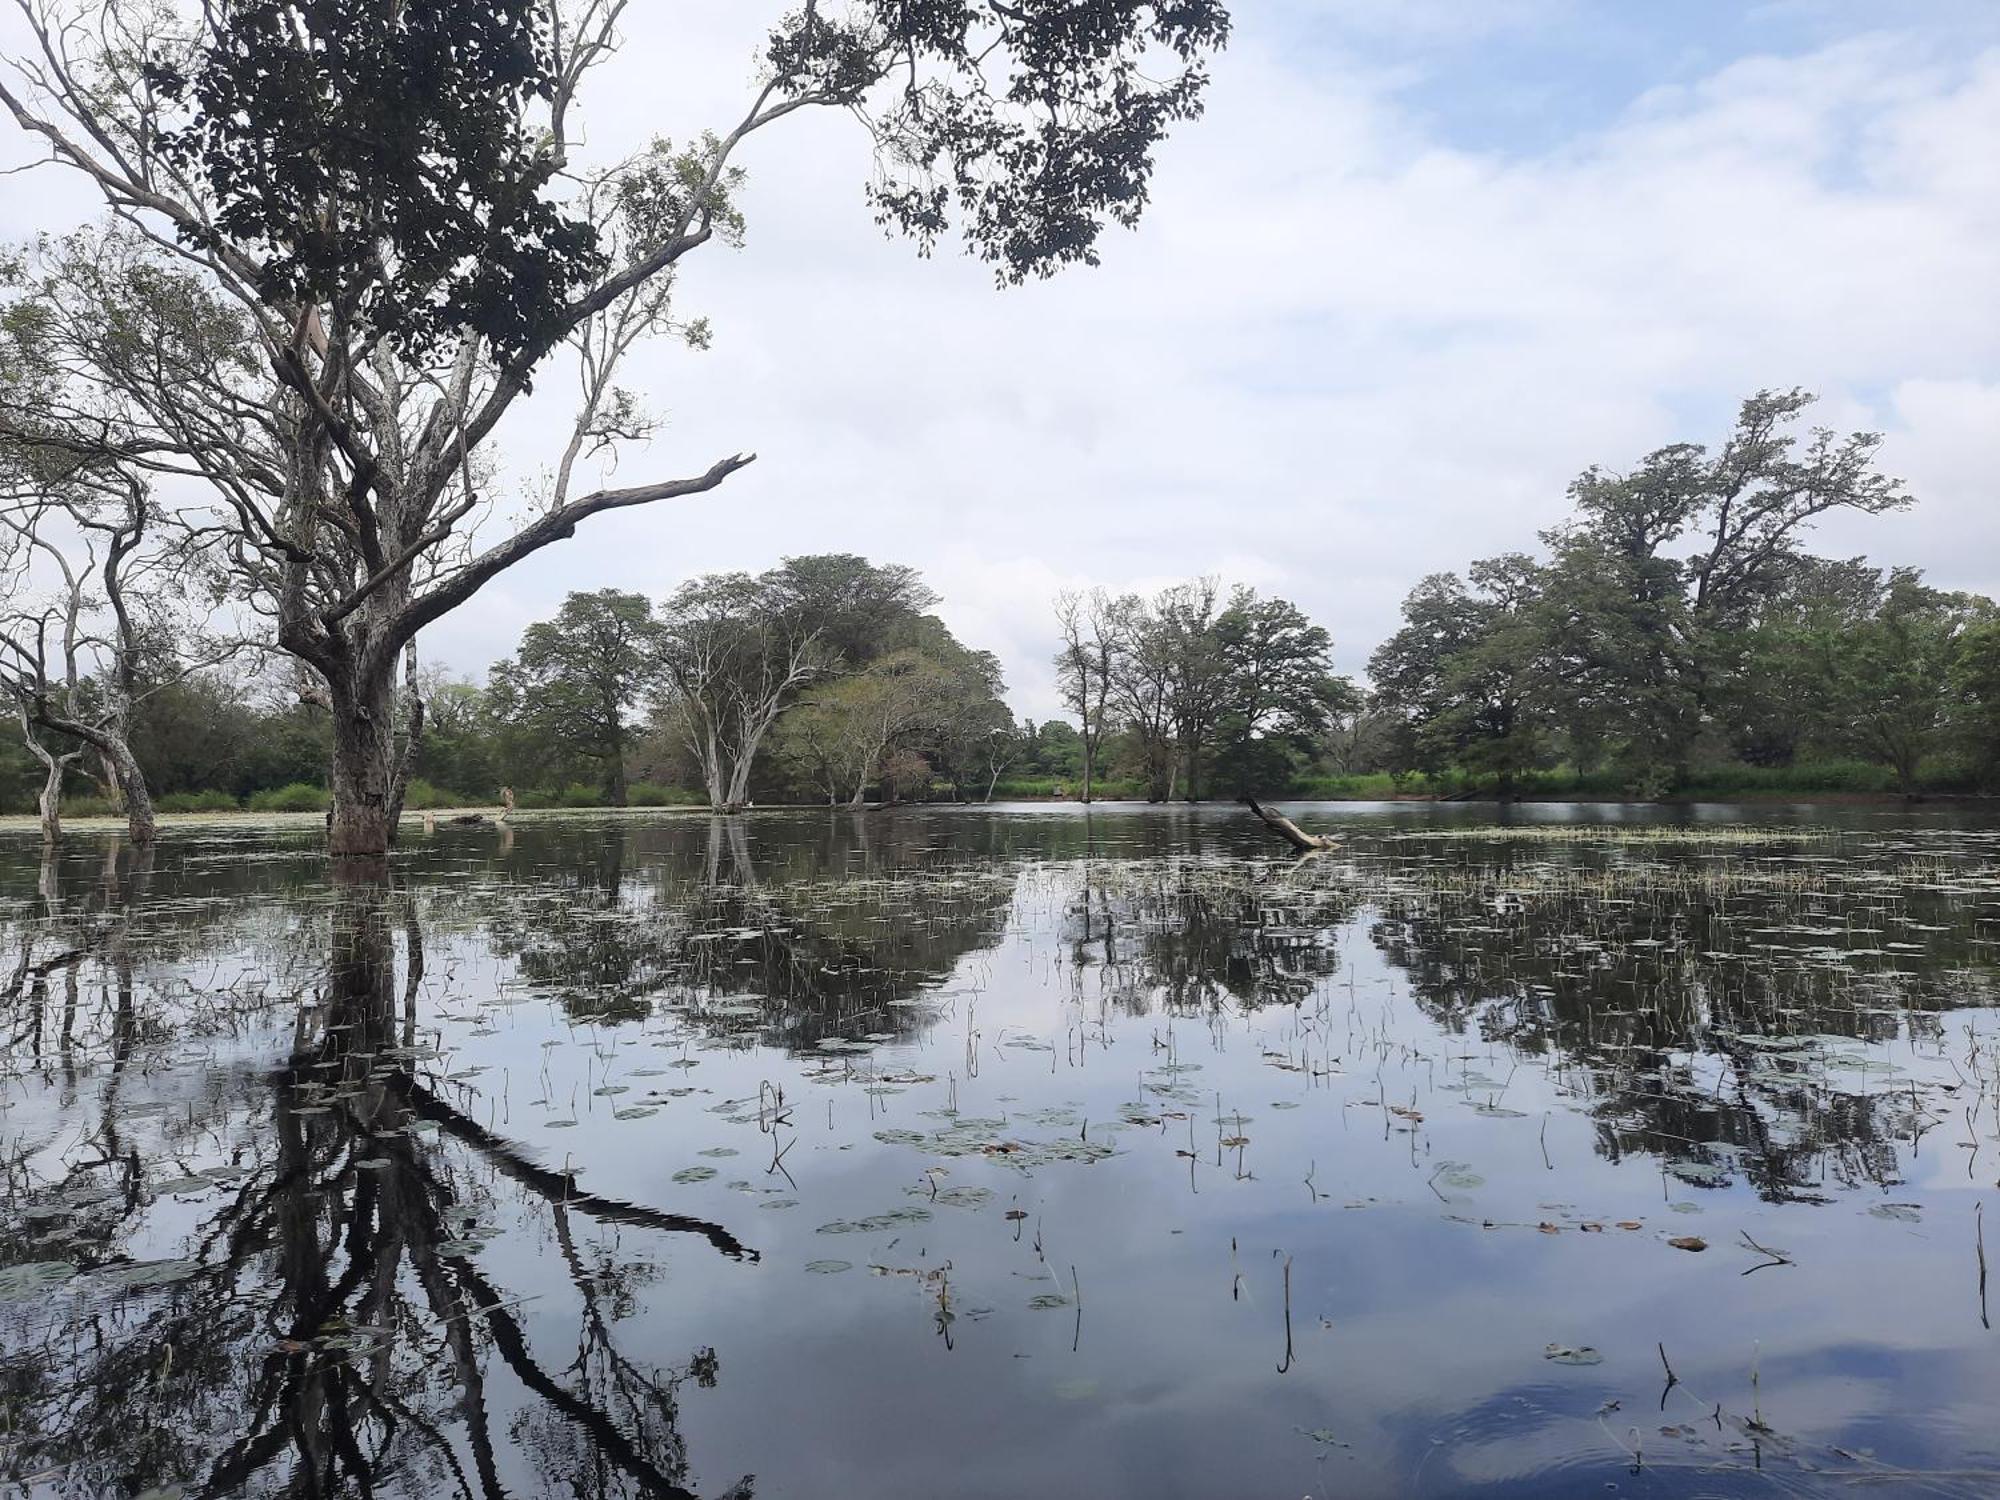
{"x": 1688, "y": 1242}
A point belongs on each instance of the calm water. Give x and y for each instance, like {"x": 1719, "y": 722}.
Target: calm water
{"x": 1006, "y": 1153}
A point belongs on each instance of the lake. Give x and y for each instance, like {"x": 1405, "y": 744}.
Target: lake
{"x": 1007, "y": 1152}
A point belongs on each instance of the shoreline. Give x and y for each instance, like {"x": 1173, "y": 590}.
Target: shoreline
{"x": 113, "y": 822}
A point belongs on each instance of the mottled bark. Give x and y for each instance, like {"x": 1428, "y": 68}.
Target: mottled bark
{"x": 363, "y": 767}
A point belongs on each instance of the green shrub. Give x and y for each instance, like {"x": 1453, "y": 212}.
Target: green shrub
{"x": 1373, "y": 787}
{"x": 576, "y": 794}
{"x": 421, "y": 795}
{"x": 211, "y": 801}
{"x": 88, "y": 806}
{"x": 298, "y": 797}
{"x": 652, "y": 794}
{"x": 1071, "y": 788}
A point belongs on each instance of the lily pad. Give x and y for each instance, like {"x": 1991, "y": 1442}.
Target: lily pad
{"x": 33, "y": 1277}
{"x": 1566, "y": 1354}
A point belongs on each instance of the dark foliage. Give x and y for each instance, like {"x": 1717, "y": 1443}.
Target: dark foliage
{"x": 381, "y": 156}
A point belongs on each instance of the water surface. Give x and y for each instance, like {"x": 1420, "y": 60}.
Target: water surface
{"x": 998, "y": 1152}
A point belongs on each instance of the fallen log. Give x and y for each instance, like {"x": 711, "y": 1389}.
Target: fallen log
{"x": 1290, "y": 832}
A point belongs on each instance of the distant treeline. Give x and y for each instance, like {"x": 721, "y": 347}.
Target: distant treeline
{"x": 1672, "y": 638}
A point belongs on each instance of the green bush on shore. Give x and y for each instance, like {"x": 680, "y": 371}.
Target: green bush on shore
{"x": 1713, "y": 783}
{"x": 421, "y": 796}
{"x": 1067, "y": 787}
{"x": 652, "y": 794}
{"x": 297, "y": 797}
{"x": 212, "y": 801}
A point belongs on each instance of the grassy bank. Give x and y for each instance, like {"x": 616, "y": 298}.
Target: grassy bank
{"x": 1831, "y": 781}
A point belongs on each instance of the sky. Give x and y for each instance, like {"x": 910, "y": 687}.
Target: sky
{"x": 1420, "y": 263}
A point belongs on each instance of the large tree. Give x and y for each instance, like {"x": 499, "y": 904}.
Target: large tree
{"x": 357, "y": 230}
{"x": 1664, "y": 565}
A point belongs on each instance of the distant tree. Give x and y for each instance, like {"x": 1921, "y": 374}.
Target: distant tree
{"x": 977, "y": 739}
{"x": 734, "y": 654}
{"x": 1141, "y": 698}
{"x": 1767, "y": 690}
{"x": 1467, "y": 672}
{"x": 1281, "y": 694}
{"x": 1085, "y": 663}
{"x": 1169, "y": 677}
{"x": 575, "y": 679}
{"x": 460, "y": 736}
{"x": 1055, "y": 749}
{"x": 1199, "y": 673}
{"x": 1360, "y": 741}
{"x": 854, "y": 724}
{"x": 1663, "y": 565}
{"x": 1975, "y": 696}
{"x": 1884, "y": 679}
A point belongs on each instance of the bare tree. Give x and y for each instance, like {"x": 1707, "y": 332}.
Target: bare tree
{"x": 1089, "y": 624}
{"x": 338, "y": 270}
{"x": 734, "y": 655}
{"x": 56, "y": 765}
{"x": 77, "y": 659}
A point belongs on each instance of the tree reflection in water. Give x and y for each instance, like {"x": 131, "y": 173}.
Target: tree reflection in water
{"x": 328, "y": 1329}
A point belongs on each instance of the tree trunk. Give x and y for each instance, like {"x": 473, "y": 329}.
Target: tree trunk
{"x": 410, "y": 742}
{"x": 1905, "y": 762}
{"x": 711, "y": 771}
{"x": 739, "y": 777}
{"x": 739, "y": 780}
{"x": 51, "y": 802}
{"x": 1088, "y": 758}
{"x": 364, "y": 754}
{"x": 618, "y": 786}
{"x": 131, "y": 781}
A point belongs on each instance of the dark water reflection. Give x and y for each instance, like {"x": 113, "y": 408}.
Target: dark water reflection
{"x": 995, "y": 1153}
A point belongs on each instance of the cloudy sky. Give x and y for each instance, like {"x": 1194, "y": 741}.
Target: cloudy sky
{"x": 1421, "y": 262}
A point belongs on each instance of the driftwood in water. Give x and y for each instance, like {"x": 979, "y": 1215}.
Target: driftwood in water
{"x": 467, "y": 820}
{"x": 1290, "y": 832}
